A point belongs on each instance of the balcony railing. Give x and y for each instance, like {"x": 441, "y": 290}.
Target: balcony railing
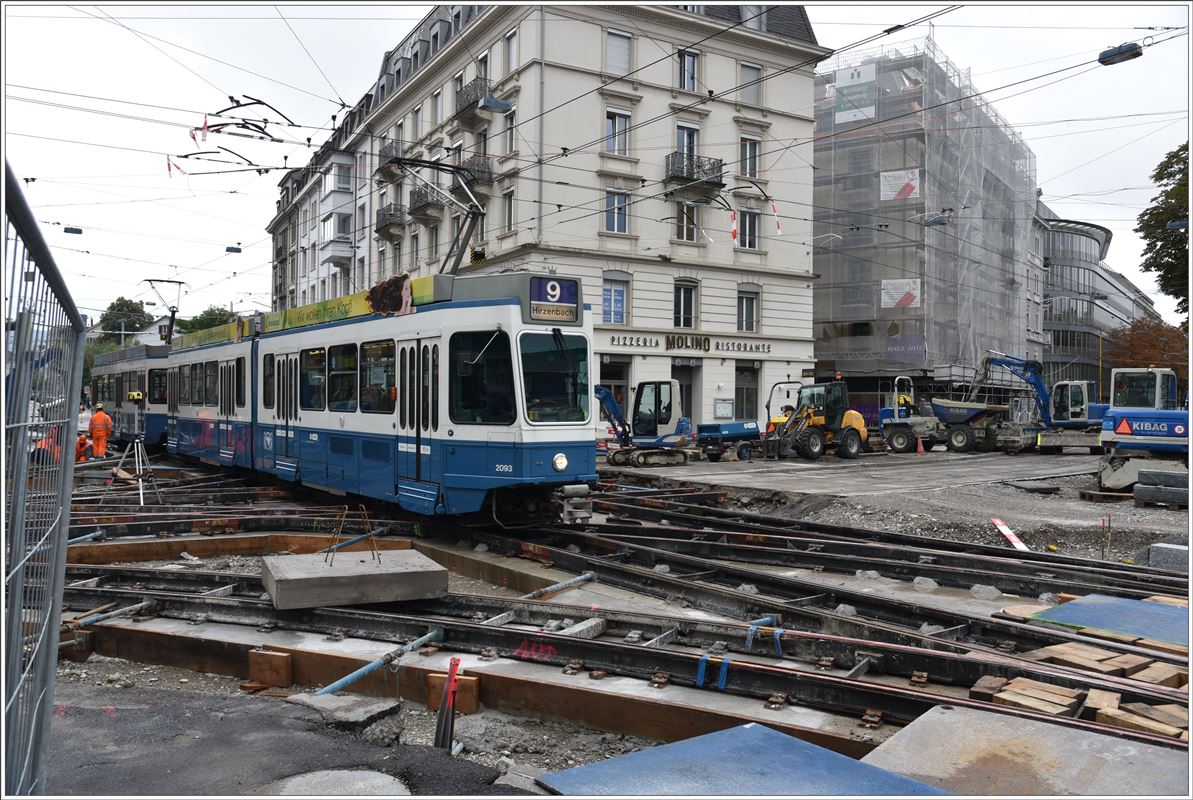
{"x": 471, "y": 94}
{"x": 693, "y": 169}
{"x": 481, "y": 170}
{"x": 390, "y": 150}
{"x": 392, "y": 214}
{"x": 422, "y": 200}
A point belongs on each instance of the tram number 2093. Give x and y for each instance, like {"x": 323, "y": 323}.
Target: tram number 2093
{"x": 503, "y": 467}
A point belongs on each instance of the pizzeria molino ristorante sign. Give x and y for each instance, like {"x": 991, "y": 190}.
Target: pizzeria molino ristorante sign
{"x": 705, "y": 344}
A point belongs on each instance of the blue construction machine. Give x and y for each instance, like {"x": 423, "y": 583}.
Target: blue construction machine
{"x": 1146, "y": 427}
{"x": 659, "y": 431}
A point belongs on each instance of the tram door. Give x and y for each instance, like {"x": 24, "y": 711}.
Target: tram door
{"x": 285, "y": 413}
{"x": 172, "y": 409}
{"x": 417, "y": 408}
{"x": 224, "y": 429}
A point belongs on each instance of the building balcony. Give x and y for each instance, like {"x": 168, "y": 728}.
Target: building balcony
{"x": 479, "y": 178}
{"x": 391, "y": 221}
{"x": 337, "y": 252}
{"x": 391, "y": 149}
{"x": 474, "y": 100}
{"x": 693, "y": 176}
{"x": 424, "y": 204}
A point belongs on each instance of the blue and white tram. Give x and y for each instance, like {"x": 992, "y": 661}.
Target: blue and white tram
{"x": 119, "y": 377}
{"x": 477, "y": 398}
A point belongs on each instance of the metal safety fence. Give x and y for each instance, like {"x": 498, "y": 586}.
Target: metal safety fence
{"x": 44, "y": 338}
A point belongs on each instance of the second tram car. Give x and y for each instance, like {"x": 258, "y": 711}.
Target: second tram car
{"x": 475, "y": 396}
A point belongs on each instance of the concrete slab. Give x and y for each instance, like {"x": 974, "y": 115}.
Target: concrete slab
{"x": 333, "y": 782}
{"x": 970, "y": 752}
{"x": 873, "y": 475}
{"x": 309, "y": 581}
{"x": 1169, "y": 556}
{"x": 353, "y": 711}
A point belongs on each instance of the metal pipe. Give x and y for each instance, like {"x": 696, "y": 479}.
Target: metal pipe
{"x": 120, "y": 612}
{"x": 434, "y": 635}
{"x": 583, "y": 577}
{"x": 353, "y": 540}
{"x": 769, "y": 621}
{"x": 97, "y": 535}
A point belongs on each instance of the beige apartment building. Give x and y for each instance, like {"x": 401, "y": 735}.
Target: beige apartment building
{"x": 637, "y": 148}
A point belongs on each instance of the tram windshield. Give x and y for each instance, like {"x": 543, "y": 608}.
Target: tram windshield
{"x": 555, "y": 376}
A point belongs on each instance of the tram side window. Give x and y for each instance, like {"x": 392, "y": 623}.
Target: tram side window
{"x": 481, "y": 387}
{"x": 240, "y": 381}
{"x": 212, "y": 385}
{"x": 196, "y": 384}
{"x": 157, "y": 386}
{"x": 341, "y": 377}
{"x": 184, "y": 386}
{"x": 377, "y": 385}
{"x": 312, "y": 379}
{"x": 267, "y": 381}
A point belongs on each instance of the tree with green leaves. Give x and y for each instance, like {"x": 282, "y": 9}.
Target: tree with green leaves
{"x": 1166, "y": 252}
{"x": 122, "y": 311}
{"x": 95, "y": 347}
{"x": 214, "y": 315}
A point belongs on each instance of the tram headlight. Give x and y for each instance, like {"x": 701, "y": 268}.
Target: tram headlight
{"x": 560, "y": 462}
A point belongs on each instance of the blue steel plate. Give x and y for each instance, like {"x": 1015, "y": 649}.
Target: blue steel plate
{"x": 1122, "y": 615}
{"x": 751, "y": 759}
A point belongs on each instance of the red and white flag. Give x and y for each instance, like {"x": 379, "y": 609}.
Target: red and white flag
{"x": 774, "y": 210}
{"x": 204, "y": 127}
{"x": 171, "y": 166}
{"x": 733, "y": 226}
{"x": 704, "y": 233}
{"x": 193, "y": 138}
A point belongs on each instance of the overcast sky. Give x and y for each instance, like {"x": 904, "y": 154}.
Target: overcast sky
{"x": 1097, "y": 132}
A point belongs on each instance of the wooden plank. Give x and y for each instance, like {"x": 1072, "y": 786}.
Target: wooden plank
{"x": 1161, "y": 674}
{"x": 1088, "y": 664}
{"x": 1064, "y": 597}
{"x": 1097, "y": 700}
{"x": 1176, "y": 710}
{"x": 1042, "y": 654}
{"x": 1016, "y": 700}
{"x": 1083, "y": 650}
{"x": 1022, "y": 612}
{"x": 1063, "y": 691}
{"x": 986, "y": 687}
{"x": 1167, "y": 599}
{"x": 1112, "y": 636}
{"x": 1163, "y": 647}
{"x": 467, "y": 692}
{"x": 1125, "y": 719}
{"x": 76, "y": 616}
{"x": 1151, "y": 712}
{"x": 270, "y": 668}
{"x": 1068, "y": 703}
{"x": 1129, "y": 663}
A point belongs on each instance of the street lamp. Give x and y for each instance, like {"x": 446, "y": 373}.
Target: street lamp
{"x": 1117, "y": 55}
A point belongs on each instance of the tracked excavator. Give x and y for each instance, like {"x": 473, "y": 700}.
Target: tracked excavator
{"x": 659, "y": 431}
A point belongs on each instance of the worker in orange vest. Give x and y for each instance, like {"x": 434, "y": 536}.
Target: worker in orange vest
{"x": 48, "y": 451}
{"x": 100, "y": 427}
{"x": 82, "y": 448}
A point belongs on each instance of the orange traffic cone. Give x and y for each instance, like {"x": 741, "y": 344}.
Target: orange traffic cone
{"x": 919, "y": 445}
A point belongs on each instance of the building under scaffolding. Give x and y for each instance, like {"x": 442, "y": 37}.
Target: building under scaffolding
{"x": 924, "y": 198}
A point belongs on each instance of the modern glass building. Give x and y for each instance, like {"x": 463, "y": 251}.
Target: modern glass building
{"x": 1085, "y": 301}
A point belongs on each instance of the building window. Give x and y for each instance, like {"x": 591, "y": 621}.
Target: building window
{"x": 380, "y": 263}
{"x": 749, "y": 157}
{"x": 361, "y": 221}
{"x": 482, "y": 142}
{"x": 747, "y": 310}
{"x": 415, "y": 255}
{"x": 617, "y": 212}
{"x": 433, "y": 241}
{"x": 511, "y": 51}
{"x": 685, "y": 305}
{"x": 397, "y": 267}
{"x": 613, "y": 305}
{"x": 747, "y": 236}
{"x": 479, "y": 231}
{"x": 687, "y": 69}
{"x": 343, "y": 176}
{"x": 617, "y": 132}
{"x": 458, "y": 85}
{"x": 686, "y": 222}
{"x": 400, "y": 135}
{"x": 508, "y": 197}
{"x": 510, "y": 124}
{"x": 434, "y": 42}
{"x": 751, "y": 84}
{"x": 482, "y": 65}
{"x": 343, "y": 225}
{"x": 745, "y": 393}
{"x": 687, "y": 138}
{"x": 436, "y": 108}
{"x": 617, "y": 52}
{"x": 457, "y": 21}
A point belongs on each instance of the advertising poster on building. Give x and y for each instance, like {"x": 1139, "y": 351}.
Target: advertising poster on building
{"x": 900, "y": 184}
{"x": 901, "y": 293}
{"x": 855, "y": 94}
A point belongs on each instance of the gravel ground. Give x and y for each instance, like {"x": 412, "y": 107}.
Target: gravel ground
{"x": 1063, "y": 520}
{"x": 490, "y": 737}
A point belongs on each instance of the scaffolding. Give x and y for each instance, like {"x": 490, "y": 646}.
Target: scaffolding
{"x": 933, "y": 194}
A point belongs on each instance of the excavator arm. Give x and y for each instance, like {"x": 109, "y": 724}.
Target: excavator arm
{"x": 1030, "y": 372}
{"x": 617, "y": 420}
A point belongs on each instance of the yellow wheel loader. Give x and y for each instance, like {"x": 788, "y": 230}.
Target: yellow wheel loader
{"x": 820, "y": 419}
